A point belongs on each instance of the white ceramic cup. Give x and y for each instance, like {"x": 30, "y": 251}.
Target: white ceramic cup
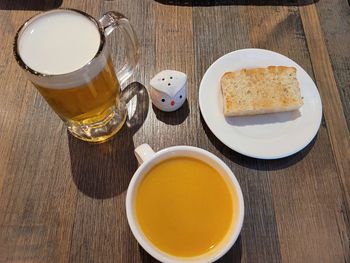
{"x": 147, "y": 159}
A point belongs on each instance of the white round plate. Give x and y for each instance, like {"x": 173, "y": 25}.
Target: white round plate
{"x": 268, "y": 136}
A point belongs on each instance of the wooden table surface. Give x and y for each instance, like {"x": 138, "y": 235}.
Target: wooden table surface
{"x": 62, "y": 200}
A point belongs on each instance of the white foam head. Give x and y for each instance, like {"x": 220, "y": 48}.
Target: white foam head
{"x": 58, "y": 42}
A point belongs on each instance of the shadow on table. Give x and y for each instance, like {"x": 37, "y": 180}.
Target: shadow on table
{"x": 234, "y": 255}
{"x": 249, "y": 162}
{"x": 29, "y": 4}
{"x": 237, "y": 2}
{"x": 175, "y": 117}
{"x": 104, "y": 170}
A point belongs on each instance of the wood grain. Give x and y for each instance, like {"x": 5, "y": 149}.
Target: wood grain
{"x": 36, "y": 193}
{"x": 334, "y": 19}
{"x": 293, "y": 248}
{"x": 63, "y": 200}
{"x": 333, "y": 111}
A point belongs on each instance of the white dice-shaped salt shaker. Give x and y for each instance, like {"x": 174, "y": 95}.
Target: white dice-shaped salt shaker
{"x": 168, "y": 90}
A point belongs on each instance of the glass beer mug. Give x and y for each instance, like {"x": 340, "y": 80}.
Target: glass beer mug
{"x": 65, "y": 55}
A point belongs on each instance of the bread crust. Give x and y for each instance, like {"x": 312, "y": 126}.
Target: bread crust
{"x": 260, "y": 90}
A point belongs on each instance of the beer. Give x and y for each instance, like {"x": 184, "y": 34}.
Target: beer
{"x": 65, "y": 52}
{"x": 86, "y": 103}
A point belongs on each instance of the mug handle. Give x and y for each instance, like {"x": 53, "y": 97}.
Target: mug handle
{"x": 113, "y": 20}
{"x": 143, "y": 153}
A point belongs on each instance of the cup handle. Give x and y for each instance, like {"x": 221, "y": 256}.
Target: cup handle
{"x": 143, "y": 153}
{"x": 113, "y": 20}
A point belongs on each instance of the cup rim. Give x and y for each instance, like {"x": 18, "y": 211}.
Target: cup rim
{"x": 26, "y": 68}
{"x": 137, "y": 232}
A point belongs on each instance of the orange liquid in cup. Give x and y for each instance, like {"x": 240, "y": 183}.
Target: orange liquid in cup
{"x": 185, "y": 207}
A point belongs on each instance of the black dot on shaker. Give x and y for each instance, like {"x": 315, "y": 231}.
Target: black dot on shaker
{"x": 169, "y": 84}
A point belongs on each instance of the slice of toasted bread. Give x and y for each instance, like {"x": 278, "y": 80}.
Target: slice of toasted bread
{"x": 260, "y": 90}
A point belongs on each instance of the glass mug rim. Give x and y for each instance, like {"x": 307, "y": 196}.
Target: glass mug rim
{"x": 148, "y": 161}
{"x": 26, "y": 68}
